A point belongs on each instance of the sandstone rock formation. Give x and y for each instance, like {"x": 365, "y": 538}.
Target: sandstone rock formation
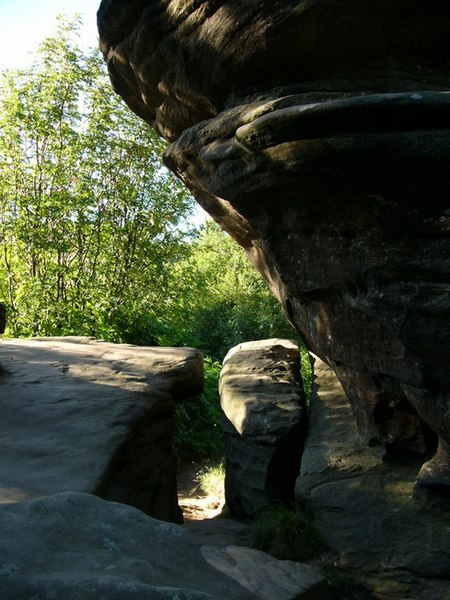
{"x": 261, "y": 396}
{"x": 87, "y": 416}
{"x": 393, "y": 538}
{"x": 74, "y": 546}
{"x": 316, "y": 132}
{"x": 80, "y": 415}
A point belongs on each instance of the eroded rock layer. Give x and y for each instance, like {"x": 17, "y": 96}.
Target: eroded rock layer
{"x": 87, "y": 416}
{"x": 317, "y": 133}
{"x": 388, "y": 534}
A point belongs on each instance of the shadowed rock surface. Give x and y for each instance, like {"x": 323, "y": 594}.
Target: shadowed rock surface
{"x": 389, "y": 534}
{"x": 71, "y": 546}
{"x": 261, "y": 395}
{"x": 87, "y": 416}
{"x": 316, "y": 132}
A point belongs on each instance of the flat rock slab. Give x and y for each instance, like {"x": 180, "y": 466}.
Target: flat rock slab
{"x": 267, "y": 577}
{"x": 388, "y": 533}
{"x": 74, "y": 546}
{"x": 88, "y": 416}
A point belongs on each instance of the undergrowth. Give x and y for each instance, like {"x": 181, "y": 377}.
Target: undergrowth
{"x": 199, "y": 433}
{"x": 285, "y": 534}
{"x": 306, "y": 371}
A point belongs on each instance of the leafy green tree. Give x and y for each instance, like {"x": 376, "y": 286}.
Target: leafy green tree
{"x": 220, "y": 300}
{"x": 88, "y": 216}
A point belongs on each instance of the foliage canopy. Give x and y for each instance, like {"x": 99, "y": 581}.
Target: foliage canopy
{"x": 88, "y": 217}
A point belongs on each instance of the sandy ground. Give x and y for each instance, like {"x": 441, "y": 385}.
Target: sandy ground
{"x": 193, "y": 502}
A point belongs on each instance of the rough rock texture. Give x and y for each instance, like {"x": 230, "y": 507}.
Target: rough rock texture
{"x": 81, "y": 415}
{"x": 261, "y": 396}
{"x": 267, "y": 577}
{"x": 316, "y": 132}
{"x": 87, "y": 416}
{"x": 74, "y": 546}
{"x": 393, "y": 537}
{"x": 218, "y": 532}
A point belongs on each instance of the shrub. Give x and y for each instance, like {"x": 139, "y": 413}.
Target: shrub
{"x": 211, "y": 479}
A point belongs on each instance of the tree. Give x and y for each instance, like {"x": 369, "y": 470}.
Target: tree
{"x": 220, "y": 300}
{"x": 88, "y": 215}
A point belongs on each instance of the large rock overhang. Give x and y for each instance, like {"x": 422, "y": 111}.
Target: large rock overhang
{"x": 317, "y": 133}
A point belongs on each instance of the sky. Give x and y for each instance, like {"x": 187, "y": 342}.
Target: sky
{"x": 25, "y": 23}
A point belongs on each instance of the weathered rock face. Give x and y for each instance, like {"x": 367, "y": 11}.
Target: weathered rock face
{"x": 261, "y": 396}
{"x": 86, "y": 416}
{"x": 71, "y": 546}
{"x": 317, "y": 133}
{"x": 390, "y": 535}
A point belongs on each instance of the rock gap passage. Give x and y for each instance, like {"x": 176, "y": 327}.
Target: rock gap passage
{"x": 197, "y": 503}
{"x": 263, "y": 419}
{"x": 87, "y": 430}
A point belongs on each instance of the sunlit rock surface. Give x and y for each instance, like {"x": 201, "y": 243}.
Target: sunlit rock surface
{"x": 261, "y": 395}
{"x": 87, "y": 416}
{"x": 316, "y": 132}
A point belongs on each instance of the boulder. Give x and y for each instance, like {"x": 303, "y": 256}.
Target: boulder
{"x": 74, "y": 546}
{"x": 267, "y": 577}
{"x": 389, "y": 535}
{"x": 87, "y": 416}
{"x": 261, "y": 396}
{"x": 317, "y": 134}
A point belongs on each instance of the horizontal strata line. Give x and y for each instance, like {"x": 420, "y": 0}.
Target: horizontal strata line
{"x": 377, "y": 113}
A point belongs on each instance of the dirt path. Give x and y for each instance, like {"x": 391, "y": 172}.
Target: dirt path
{"x": 196, "y": 506}
{"x": 203, "y": 516}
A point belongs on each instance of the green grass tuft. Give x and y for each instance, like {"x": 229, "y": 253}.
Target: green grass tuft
{"x": 211, "y": 480}
{"x": 285, "y": 534}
